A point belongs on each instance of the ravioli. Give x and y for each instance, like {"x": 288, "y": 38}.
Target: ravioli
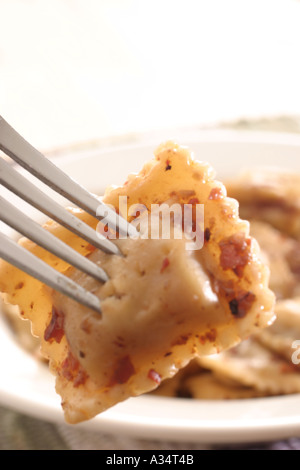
{"x": 284, "y": 334}
{"x": 266, "y": 364}
{"x": 251, "y": 364}
{"x": 164, "y": 303}
{"x": 270, "y": 195}
{"x": 211, "y": 386}
{"x": 282, "y": 254}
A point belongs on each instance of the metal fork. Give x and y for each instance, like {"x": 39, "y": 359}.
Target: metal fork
{"x": 38, "y": 165}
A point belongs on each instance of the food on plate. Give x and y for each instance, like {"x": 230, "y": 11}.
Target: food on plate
{"x": 270, "y": 195}
{"x": 209, "y": 385}
{"x": 283, "y": 337}
{"x": 282, "y": 254}
{"x": 267, "y": 363}
{"x": 253, "y": 365}
{"x": 167, "y": 301}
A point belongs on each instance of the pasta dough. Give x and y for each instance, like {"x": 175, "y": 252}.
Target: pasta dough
{"x": 163, "y": 304}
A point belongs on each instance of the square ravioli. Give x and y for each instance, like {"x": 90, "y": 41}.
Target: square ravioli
{"x": 164, "y": 303}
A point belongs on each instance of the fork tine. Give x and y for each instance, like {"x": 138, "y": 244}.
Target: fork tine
{"x": 32, "y": 230}
{"x": 18, "y": 256}
{"x": 19, "y": 185}
{"x": 33, "y": 161}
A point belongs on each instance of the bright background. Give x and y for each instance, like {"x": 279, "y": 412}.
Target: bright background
{"x": 74, "y": 70}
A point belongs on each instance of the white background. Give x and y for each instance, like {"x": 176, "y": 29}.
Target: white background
{"x": 74, "y": 70}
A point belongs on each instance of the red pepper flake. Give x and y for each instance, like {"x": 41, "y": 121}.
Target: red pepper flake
{"x": 240, "y": 305}
{"x": 72, "y": 371}
{"x": 207, "y": 234}
{"x": 123, "y": 371}
{"x": 193, "y": 201}
{"x": 80, "y": 378}
{"x": 216, "y": 194}
{"x": 168, "y": 165}
{"x": 210, "y": 336}
{"x": 55, "y": 329}
{"x": 234, "y": 307}
{"x": 90, "y": 247}
{"x": 119, "y": 341}
{"x": 153, "y": 375}
{"x": 193, "y": 211}
{"x": 181, "y": 340}
{"x": 19, "y": 286}
{"x": 240, "y": 301}
{"x": 69, "y": 367}
{"x": 165, "y": 264}
{"x": 235, "y": 253}
{"x": 169, "y": 353}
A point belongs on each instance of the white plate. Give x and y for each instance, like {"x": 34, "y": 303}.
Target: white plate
{"x": 27, "y": 386}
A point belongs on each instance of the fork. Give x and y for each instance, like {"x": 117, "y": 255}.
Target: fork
{"x": 25, "y": 155}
